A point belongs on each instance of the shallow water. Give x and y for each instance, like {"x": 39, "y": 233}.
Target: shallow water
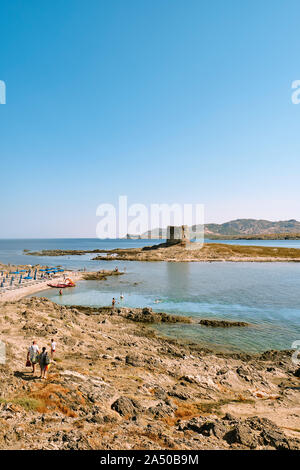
{"x": 265, "y": 295}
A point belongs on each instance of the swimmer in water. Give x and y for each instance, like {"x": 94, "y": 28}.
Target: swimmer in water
{"x": 121, "y": 296}
{"x": 60, "y": 292}
{"x": 113, "y": 301}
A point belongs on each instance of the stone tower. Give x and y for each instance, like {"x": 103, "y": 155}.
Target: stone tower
{"x": 178, "y": 234}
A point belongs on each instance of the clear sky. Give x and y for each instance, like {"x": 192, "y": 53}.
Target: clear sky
{"x": 165, "y": 101}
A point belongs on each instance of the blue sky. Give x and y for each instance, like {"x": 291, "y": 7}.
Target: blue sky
{"x": 164, "y": 101}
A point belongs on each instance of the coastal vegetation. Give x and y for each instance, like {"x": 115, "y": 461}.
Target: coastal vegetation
{"x": 209, "y": 252}
{"x": 100, "y": 275}
{"x": 266, "y": 236}
{"x": 60, "y": 252}
{"x": 191, "y": 252}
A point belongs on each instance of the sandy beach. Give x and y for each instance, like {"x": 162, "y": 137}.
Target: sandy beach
{"x": 36, "y": 286}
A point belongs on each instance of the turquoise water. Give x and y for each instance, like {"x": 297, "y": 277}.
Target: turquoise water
{"x": 267, "y": 295}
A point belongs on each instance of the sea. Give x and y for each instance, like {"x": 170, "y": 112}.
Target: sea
{"x": 266, "y": 295}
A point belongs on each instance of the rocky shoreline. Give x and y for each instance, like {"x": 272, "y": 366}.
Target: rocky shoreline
{"x": 116, "y": 385}
{"x": 209, "y": 252}
{"x": 193, "y": 252}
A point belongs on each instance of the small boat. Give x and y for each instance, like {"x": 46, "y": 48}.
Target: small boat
{"x": 62, "y": 285}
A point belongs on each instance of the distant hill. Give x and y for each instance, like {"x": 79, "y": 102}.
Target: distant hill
{"x": 253, "y": 227}
{"x": 240, "y": 228}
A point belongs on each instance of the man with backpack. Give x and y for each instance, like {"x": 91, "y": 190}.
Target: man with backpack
{"x": 44, "y": 361}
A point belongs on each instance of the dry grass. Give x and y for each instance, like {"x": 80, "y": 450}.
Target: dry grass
{"x": 28, "y": 403}
{"x": 193, "y": 410}
{"x": 54, "y": 397}
{"x": 251, "y": 251}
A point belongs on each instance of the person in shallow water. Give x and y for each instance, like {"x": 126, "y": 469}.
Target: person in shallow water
{"x": 113, "y": 301}
{"x": 60, "y": 292}
{"x": 121, "y": 296}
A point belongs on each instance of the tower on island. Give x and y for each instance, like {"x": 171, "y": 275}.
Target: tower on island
{"x": 178, "y": 234}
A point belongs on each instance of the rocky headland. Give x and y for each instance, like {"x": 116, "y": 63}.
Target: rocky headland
{"x": 178, "y": 252}
{"x": 209, "y": 252}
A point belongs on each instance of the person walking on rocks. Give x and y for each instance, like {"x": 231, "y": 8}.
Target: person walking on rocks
{"x": 32, "y": 355}
{"x": 53, "y": 348}
{"x": 44, "y": 361}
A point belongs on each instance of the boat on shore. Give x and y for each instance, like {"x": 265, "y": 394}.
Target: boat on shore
{"x": 62, "y": 285}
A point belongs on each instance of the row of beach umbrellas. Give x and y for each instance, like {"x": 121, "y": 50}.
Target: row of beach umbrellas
{"x": 21, "y": 271}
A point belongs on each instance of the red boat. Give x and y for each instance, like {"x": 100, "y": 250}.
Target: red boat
{"x": 68, "y": 283}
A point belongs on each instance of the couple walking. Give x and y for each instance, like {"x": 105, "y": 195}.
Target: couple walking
{"x": 34, "y": 356}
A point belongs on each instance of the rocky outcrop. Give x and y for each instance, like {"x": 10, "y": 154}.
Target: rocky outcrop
{"x": 126, "y": 406}
{"x": 249, "y": 433}
{"x": 146, "y": 315}
{"x": 222, "y": 323}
